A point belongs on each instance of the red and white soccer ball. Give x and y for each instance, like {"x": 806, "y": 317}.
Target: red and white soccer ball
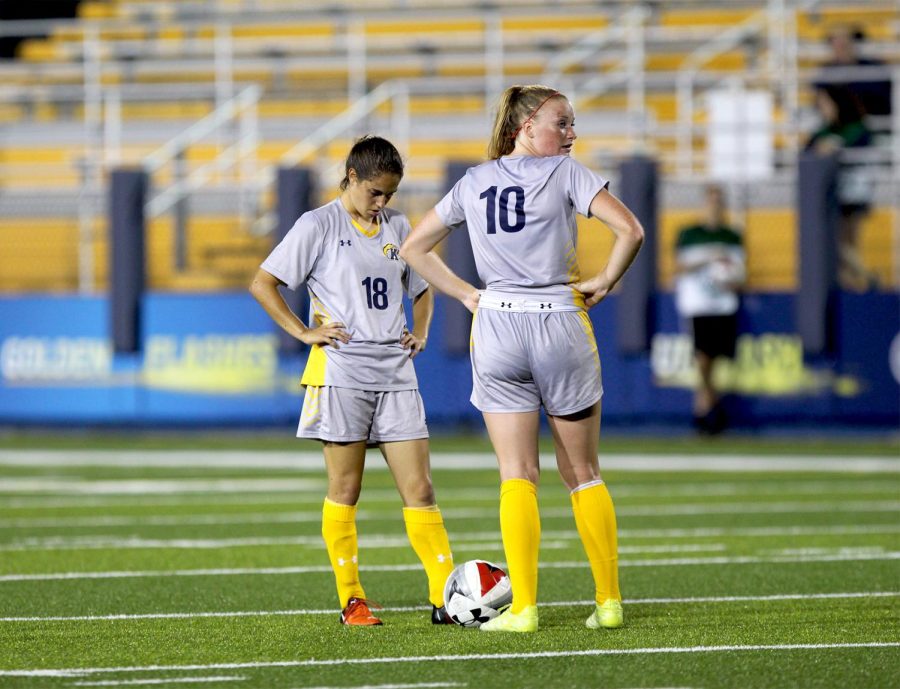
{"x": 475, "y": 592}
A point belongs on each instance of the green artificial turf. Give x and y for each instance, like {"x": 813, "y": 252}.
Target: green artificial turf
{"x": 216, "y": 576}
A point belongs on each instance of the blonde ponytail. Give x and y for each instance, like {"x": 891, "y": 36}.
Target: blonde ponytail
{"x": 516, "y": 106}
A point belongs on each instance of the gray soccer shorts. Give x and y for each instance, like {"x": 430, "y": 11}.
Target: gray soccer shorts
{"x": 345, "y": 415}
{"x": 522, "y": 360}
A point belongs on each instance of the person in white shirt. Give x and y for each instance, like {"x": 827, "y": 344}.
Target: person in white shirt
{"x": 711, "y": 267}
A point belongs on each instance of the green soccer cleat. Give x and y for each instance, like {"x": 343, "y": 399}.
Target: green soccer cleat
{"x": 609, "y": 616}
{"x": 508, "y": 621}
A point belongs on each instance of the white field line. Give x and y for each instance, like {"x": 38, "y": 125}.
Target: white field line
{"x": 862, "y": 506}
{"x": 315, "y": 497}
{"x": 172, "y": 520}
{"x": 419, "y": 685}
{"x": 856, "y": 556}
{"x": 68, "y": 486}
{"x": 550, "y": 604}
{"x": 474, "y": 494}
{"x": 161, "y": 680}
{"x": 759, "y": 507}
{"x": 483, "y": 539}
{"x": 446, "y": 460}
{"x": 735, "y": 648}
{"x": 103, "y": 541}
{"x": 763, "y": 531}
{"x": 755, "y": 488}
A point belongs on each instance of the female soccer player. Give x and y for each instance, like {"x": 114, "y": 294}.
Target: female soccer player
{"x": 532, "y": 341}
{"x": 361, "y": 386}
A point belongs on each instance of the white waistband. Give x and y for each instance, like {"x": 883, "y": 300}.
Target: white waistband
{"x": 503, "y": 302}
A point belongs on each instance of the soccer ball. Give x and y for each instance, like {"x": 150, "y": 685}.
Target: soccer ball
{"x": 475, "y": 592}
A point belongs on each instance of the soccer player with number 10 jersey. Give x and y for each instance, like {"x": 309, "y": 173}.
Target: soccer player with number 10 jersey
{"x": 532, "y": 341}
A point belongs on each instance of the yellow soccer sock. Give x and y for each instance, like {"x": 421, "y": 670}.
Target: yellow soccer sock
{"x": 595, "y": 518}
{"x": 339, "y": 532}
{"x": 520, "y": 526}
{"x": 428, "y": 537}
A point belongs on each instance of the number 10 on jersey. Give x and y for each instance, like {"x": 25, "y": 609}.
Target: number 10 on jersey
{"x": 493, "y": 202}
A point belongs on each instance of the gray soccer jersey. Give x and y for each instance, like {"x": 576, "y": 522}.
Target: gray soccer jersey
{"x": 357, "y": 280}
{"x": 520, "y": 212}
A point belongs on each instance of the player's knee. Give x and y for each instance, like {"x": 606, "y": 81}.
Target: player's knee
{"x": 419, "y": 493}
{"x": 527, "y": 473}
{"x": 579, "y": 476}
{"x": 345, "y": 494}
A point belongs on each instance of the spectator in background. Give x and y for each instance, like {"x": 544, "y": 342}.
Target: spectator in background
{"x": 871, "y": 88}
{"x": 843, "y": 128}
{"x": 711, "y": 268}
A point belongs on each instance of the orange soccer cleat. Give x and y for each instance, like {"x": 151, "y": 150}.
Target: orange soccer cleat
{"x": 357, "y": 614}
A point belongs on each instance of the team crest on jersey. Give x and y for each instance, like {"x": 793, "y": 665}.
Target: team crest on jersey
{"x": 392, "y": 251}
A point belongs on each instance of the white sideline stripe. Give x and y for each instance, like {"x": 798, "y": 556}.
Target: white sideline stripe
{"x": 447, "y": 460}
{"x": 477, "y": 539}
{"x": 759, "y": 507}
{"x": 80, "y": 672}
{"x": 718, "y": 531}
{"x": 551, "y": 604}
{"x": 55, "y": 543}
{"x": 754, "y": 507}
{"x": 161, "y": 680}
{"x": 315, "y": 497}
{"x": 52, "y": 543}
{"x": 317, "y": 569}
{"x": 486, "y": 539}
{"x": 67, "y": 486}
{"x": 474, "y": 494}
{"x": 385, "y": 542}
{"x": 421, "y": 685}
{"x": 763, "y": 531}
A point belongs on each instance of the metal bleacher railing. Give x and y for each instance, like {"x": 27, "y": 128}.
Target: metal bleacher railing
{"x": 224, "y": 91}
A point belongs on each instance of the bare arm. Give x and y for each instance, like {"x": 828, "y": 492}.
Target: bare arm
{"x": 423, "y": 310}
{"x": 418, "y": 252}
{"x": 629, "y": 237}
{"x": 264, "y": 288}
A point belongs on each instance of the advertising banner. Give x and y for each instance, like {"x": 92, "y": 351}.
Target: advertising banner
{"x": 213, "y": 360}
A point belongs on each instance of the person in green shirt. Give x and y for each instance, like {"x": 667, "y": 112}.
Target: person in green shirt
{"x": 711, "y": 267}
{"x": 843, "y": 127}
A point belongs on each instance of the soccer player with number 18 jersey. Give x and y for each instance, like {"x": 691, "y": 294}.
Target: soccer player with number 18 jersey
{"x": 361, "y": 386}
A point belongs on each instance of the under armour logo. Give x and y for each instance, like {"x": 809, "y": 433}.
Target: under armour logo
{"x": 345, "y": 241}
{"x": 341, "y": 561}
{"x": 505, "y": 305}
{"x": 546, "y": 306}
{"x": 441, "y": 557}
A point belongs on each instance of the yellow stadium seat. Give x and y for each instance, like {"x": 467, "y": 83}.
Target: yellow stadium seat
{"x": 90, "y": 9}
{"x": 38, "y": 50}
{"x": 704, "y": 17}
